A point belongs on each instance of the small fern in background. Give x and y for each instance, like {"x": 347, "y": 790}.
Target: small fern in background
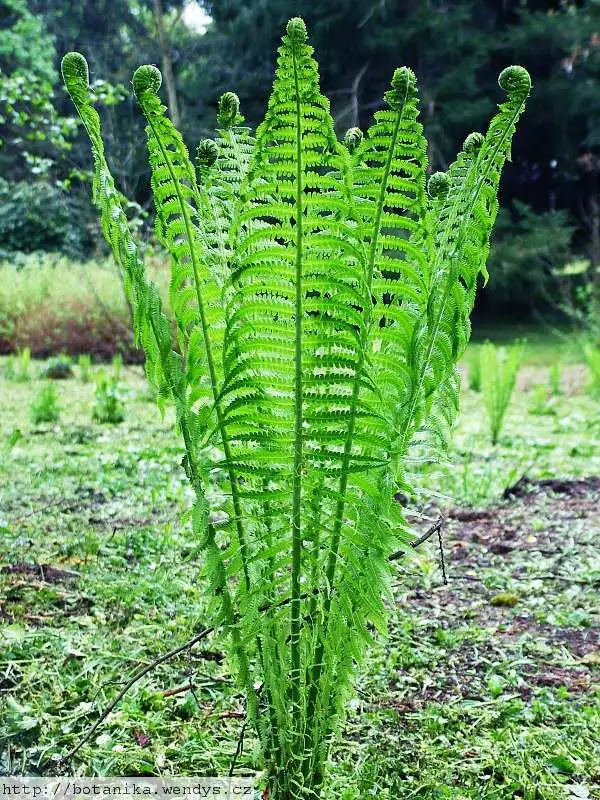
{"x": 45, "y": 406}
{"x": 499, "y": 369}
{"x": 541, "y": 403}
{"x": 474, "y": 372}
{"x": 322, "y": 300}
{"x": 109, "y": 408}
{"x": 555, "y": 378}
{"x": 117, "y": 367}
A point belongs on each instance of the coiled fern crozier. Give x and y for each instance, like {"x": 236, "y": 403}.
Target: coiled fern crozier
{"x": 322, "y": 299}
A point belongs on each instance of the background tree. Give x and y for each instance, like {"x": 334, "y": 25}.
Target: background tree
{"x": 456, "y": 47}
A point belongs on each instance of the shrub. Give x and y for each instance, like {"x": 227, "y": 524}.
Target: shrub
{"x": 499, "y": 368}
{"x": 529, "y": 248}
{"x": 53, "y": 305}
{"x": 58, "y": 368}
{"x": 45, "y": 407}
{"x": 322, "y": 300}
{"x": 39, "y": 216}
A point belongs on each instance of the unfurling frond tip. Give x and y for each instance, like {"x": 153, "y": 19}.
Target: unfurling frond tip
{"x": 353, "y": 138}
{"x": 404, "y": 87}
{"x": 296, "y": 30}
{"x": 228, "y": 113}
{"x": 146, "y": 79}
{"x": 207, "y": 153}
{"x": 74, "y": 66}
{"x": 473, "y": 142}
{"x": 438, "y": 185}
{"x": 515, "y": 80}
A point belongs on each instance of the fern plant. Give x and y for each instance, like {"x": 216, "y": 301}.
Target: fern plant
{"x": 499, "y": 369}
{"x": 474, "y": 372}
{"x": 322, "y": 299}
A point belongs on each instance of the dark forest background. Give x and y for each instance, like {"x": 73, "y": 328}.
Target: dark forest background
{"x": 549, "y": 227}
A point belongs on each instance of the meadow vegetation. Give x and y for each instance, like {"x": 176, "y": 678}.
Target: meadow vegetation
{"x": 488, "y": 685}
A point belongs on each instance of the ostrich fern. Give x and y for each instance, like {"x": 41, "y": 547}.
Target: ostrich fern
{"x": 322, "y": 298}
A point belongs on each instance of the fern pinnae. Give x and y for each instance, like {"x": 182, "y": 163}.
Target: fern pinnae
{"x": 486, "y": 160}
{"x": 403, "y": 86}
{"x": 146, "y": 82}
{"x": 153, "y": 329}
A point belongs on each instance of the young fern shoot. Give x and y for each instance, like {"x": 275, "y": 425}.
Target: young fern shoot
{"x": 321, "y": 298}
{"x": 499, "y": 369}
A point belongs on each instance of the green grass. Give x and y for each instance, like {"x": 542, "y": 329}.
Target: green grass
{"x": 473, "y": 695}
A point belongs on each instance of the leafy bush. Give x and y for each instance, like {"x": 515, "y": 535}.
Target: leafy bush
{"x": 528, "y": 250}
{"x": 45, "y": 407}
{"x": 499, "y": 368}
{"x": 53, "y": 305}
{"x": 38, "y": 216}
{"x": 322, "y": 300}
{"x": 58, "y": 368}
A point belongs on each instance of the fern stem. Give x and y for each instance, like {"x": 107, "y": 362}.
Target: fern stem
{"x": 298, "y": 420}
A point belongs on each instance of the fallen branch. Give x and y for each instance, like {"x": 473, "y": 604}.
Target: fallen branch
{"x": 136, "y": 677}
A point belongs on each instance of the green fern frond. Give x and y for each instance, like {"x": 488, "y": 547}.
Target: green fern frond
{"x": 165, "y": 367}
{"x": 465, "y": 218}
{"x": 151, "y": 326}
{"x": 322, "y": 299}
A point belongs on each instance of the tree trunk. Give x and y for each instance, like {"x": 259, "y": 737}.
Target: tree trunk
{"x": 167, "y": 64}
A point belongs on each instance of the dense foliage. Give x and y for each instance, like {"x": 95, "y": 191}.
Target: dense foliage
{"x": 322, "y": 300}
{"x": 455, "y": 48}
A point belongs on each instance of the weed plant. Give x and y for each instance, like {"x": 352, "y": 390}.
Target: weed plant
{"x": 45, "y": 406}
{"x": 109, "y": 408}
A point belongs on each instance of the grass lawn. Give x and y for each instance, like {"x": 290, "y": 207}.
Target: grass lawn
{"x": 487, "y": 687}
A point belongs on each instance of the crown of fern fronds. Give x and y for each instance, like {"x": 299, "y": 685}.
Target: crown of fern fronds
{"x": 322, "y": 297}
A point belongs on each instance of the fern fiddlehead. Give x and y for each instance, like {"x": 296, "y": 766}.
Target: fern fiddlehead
{"x": 322, "y": 298}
